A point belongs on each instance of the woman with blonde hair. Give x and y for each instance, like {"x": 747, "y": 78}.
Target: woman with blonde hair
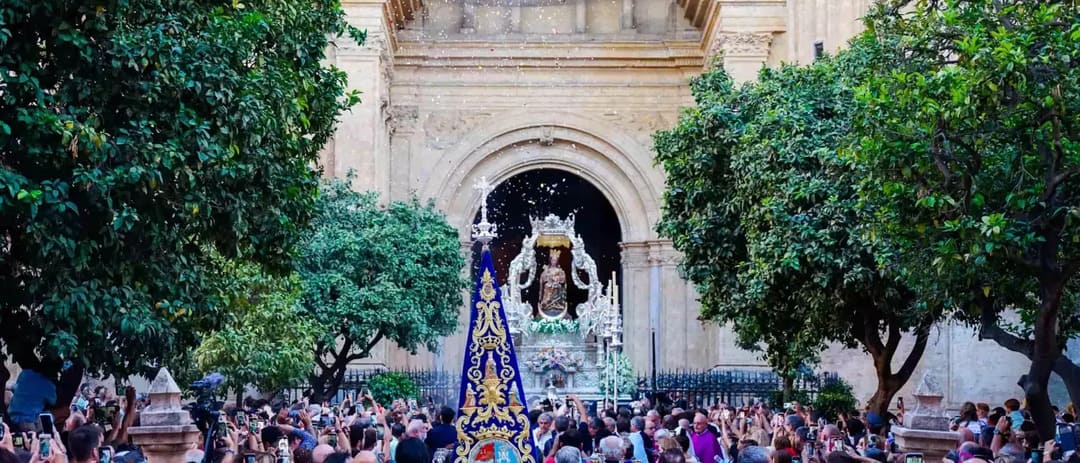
{"x": 668, "y": 443}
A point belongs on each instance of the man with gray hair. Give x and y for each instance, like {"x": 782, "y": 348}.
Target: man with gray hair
{"x": 544, "y": 430}
{"x": 753, "y": 454}
{"x": 637, "y": 438}
{"x": 1012, "y": 451}
{"x": 611, "y": 447}
{"x": 568, "y": 454}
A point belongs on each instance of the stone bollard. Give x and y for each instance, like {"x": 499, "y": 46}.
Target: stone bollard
{"x": 165, "y": 432}
{"x": 926, "y": 428}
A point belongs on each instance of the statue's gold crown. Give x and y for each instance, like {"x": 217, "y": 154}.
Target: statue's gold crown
{"x": 555, "y": 253}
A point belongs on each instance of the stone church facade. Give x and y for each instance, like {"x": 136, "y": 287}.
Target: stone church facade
{"x": 458, "y": 89}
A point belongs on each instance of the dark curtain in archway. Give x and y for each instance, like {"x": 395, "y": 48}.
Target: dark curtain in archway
{"x": 537, "y": 193}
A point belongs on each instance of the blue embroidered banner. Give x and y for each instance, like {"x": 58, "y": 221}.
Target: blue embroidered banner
{"x": 494, "y": 423}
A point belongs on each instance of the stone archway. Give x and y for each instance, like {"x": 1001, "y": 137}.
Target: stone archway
{"x": 618, "y": 165}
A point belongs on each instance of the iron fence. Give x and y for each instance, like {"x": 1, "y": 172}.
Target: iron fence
{"x": 733, "y": 387}
{"x": 435, "y": 386}
{"x": 698, "y": 387}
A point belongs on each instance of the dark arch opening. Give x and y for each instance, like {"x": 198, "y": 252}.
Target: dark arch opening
{"x": 537, "y": 193}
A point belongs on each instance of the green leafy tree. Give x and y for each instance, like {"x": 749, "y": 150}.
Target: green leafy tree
{"x": 268, "y": 339}
{"x": 970, "y": 154}
{"x": 763, "y": 209}
{"x": 371, "y": 273}
{"x": 135, "y": 136}
{"x": 391, "y": 385}
{"x": 835, "y": 398}
{"x": 617, "y": 368}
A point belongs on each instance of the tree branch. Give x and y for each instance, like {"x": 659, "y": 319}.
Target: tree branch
{"x": 922, "y": 335}
{"x": 1057, "y": 180}
{"x": 1029, "y": 264}
{"x": 893, "y": 342}
{"x": 366, "y": 352}
{"x": 989, "y": 329}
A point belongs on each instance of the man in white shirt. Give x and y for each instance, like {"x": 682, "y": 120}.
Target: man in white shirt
{"x": 544, "y": 430}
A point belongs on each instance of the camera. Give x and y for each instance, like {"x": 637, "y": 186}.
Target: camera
{"x": 206, "y": 409}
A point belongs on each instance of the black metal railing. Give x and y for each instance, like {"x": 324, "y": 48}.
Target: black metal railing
{"x": 435, "y": 386}
{"x": 698, "y": 387}
{"x": 734, "y": 387}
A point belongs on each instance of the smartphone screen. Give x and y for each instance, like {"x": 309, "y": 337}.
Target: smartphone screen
{"x": 249, "y": 458}
{"x": 45, "y": 448}
{"x": 105, "y": 454}
{"x": 16, "y": 440}
{"x": 913, "y": 458}
{"x": 46, "y": 420}
{"x": 837, "y": 445}
{"x": 1066, "y": 438}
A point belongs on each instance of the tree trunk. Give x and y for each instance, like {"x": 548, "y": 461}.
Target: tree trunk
{"x": 789, "y": 388}
{"x": 1044, "y": 354}
{"x": 1070, "y": 375}
{"x": 886, "y": 390}
{"x": 69, "y": 383}
{"x": 1038, "y": 398}
{"x": 889, "y": 383}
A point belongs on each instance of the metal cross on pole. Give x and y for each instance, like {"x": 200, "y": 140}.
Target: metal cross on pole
{"x": 484, "y": 231}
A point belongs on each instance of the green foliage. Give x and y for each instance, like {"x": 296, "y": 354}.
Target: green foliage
{"x": 371, "y": 273}
{"x": 389, "y": 386}
{"x": 972, "y": 161}
{"x": 618, "y": 367}
{"x": 135, "y": 137}
{"x": 268, "y": 340}
{"x": 836, "y": 398}
{"x": 969, "y": 154}
{"x": 764, "y": 212}
{"x": 548, "y": 326}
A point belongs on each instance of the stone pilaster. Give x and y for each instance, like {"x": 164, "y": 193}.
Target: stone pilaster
{"x": 636, "y": 276}
{"x": 402, "y": 122}
{"x": 362, "y": 142}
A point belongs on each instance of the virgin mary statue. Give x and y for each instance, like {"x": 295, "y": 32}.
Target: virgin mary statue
{"x": 553, "y": 288}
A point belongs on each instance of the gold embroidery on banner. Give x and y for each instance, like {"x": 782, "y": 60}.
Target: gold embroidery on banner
{"x": 492, "y": 405}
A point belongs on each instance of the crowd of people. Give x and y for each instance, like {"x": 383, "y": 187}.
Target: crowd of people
{"x": 361, "y": 430}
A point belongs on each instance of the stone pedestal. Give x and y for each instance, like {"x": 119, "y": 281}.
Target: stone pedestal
{"x": 927, "y": 426}
{"x": 165, "y": 432}
{"x": 932, "y": 444}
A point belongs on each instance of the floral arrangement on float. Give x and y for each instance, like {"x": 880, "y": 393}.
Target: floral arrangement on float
{"x": 552, "y": 358}
{"x": 554, "y": 326}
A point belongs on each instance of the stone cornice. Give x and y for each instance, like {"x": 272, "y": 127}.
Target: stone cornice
{"x": 486, "y": 54}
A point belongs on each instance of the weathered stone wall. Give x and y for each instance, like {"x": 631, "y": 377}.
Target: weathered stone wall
{"x": 472, "y": 88}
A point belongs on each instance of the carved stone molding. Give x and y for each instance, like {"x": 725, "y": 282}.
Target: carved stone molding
{"x": 746, "y": 44}
{"x": 663, "y": 253}
{"x": 635, "y": 255}
{"x": 444, "y": 128}
{"x": 402, "y": 118}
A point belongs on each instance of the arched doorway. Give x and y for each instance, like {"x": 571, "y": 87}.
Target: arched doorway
{"x": 537, "y": 193}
